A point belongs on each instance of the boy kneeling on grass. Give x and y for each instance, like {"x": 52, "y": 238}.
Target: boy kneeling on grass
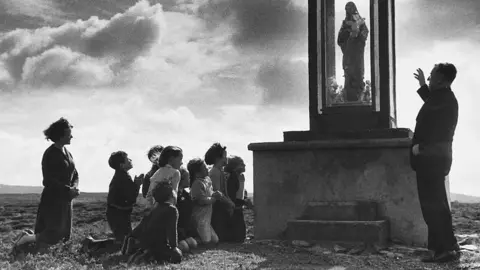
{"x": 156, "y": 236}
{"x": 122, "y": 195}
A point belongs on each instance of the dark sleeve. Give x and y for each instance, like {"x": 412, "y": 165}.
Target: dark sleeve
{"x": 146, "y": 185}
{"x": 75, "y": 178}
{"x": 130, "y": 190}
{"x": 232, "y": 187}
{"x": 442, "y": 128}
{"x": 146, "y": 180}
{"x": 216, "y": 177}
{"x": 74, "y": 182}
{"x": 171, "y": 221}
{"x": 424, "y": 92}
{"x": 52, "y": 171}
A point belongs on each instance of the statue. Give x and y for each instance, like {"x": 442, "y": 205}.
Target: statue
{"x": 352, "y": 39}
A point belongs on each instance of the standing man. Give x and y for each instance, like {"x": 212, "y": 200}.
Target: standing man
{"x": 431, "y": 158}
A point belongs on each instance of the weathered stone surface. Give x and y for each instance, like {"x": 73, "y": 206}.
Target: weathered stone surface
{"x": 348, "y": 231}
{"x": 341, "y": 211}
{"x": 289, "y": 175}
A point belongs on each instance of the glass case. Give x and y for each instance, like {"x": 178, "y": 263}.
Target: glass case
{"x": 351, "y": 52}
{"x": 349, "y": 48}
{"x": 349, "y": 78}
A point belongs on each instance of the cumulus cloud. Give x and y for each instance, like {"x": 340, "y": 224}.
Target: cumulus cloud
{"x": 95, "y": 45}
{"x": 61, "y": 66}
{"x": 29, "y": 14}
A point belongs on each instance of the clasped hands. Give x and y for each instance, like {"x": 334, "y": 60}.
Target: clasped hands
{"x": 74, "y": 192}
{"x": 219, "y": 196}
{"x": 139, "y": 179}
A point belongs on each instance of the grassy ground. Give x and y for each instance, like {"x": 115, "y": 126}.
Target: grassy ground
{"x": 18, "y": 212}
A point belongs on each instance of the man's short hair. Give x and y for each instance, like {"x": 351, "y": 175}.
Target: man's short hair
{"x": 448, "y": 70}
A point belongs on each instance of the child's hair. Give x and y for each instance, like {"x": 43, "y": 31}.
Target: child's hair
{"x": 194, "y": 167}
{"x": 214, "y": 152}
{"x": 56, "y": 130}
{"x": 167, "y": 153}
{"x": 163, "y": 191}
{"x": 116, "y": 159}
{"x": 232, "y": 163}
{"x": 154, "y": 152}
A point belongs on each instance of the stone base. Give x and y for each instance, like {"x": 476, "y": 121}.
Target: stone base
{"x": 370, "y": 232}
{"x": 341, "y": 211}
{"x": 289, "y": 175}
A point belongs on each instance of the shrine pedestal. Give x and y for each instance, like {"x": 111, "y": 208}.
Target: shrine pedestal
{"x": 289, "y": 175}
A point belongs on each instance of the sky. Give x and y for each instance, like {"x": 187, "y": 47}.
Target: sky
{"x": 134, "y": 74}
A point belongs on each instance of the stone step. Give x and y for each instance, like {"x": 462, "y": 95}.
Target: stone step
{"x": 375, "y": 232}
{"x": 341, "y": 211}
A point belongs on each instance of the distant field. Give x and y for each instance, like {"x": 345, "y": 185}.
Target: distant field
{"x": 18, "y": 212}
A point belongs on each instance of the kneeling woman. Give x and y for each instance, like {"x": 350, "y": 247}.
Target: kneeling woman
{"x": 60, "y": 181}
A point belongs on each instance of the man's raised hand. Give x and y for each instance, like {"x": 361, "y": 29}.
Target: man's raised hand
{"x": 420, "y": 77}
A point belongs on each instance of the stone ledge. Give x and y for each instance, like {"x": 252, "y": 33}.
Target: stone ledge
{"x": 331, "y": 144}
{"x": 381, "y": 133}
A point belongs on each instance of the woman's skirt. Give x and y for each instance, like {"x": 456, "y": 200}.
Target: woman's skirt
{"x": 54, "y": 222}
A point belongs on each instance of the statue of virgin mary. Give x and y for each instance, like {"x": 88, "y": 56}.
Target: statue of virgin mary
{"x": 352, "y": 39}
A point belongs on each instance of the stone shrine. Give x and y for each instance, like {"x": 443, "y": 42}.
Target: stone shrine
{"x": 347, "y": 178}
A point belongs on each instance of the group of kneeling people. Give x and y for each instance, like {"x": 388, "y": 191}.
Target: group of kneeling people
{"x": 188, "y": 206}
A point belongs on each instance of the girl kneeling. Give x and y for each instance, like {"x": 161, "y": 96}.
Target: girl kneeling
{"x": 203, "y": 198}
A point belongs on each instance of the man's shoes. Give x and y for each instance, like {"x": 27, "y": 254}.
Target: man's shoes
{"x": 443, "y": 257}
{"x": 447, "y": 256}
{"x": 123, "y": 250}
{"x": 128, "y": 246}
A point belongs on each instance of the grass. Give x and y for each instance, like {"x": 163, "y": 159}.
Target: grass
{"x": 18, "y": 212}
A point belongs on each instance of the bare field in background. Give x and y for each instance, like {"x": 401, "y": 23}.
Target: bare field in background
{"x": 18, "y": 212}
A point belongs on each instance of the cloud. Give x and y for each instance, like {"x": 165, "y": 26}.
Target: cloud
{"x": 61, "y": 66}
{"x": 81, "y": 46}
{"x": 30, "y": 13}
{"x": 284, "y": 81}
{"x": 441, "y": 20}
{"x": 202, "y": 83}
{"x": 273, "y": 27}
{"x": 110, "y": 121}
{"x": 268, "y": 35}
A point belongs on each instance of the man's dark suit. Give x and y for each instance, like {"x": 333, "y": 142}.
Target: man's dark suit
{"x": 434, "y": 131}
